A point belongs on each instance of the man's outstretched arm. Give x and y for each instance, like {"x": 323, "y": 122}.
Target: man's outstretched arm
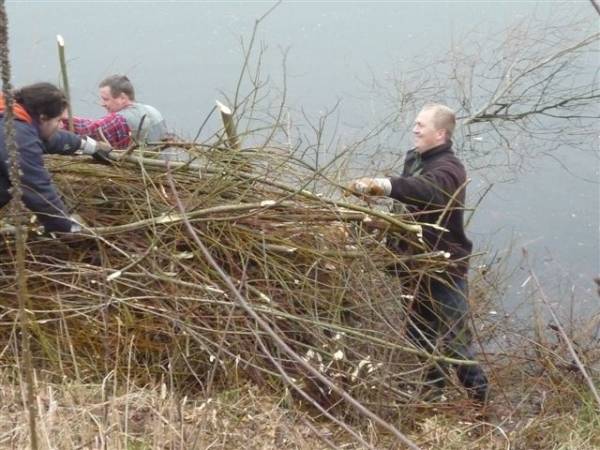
{"x": 113, "y": 127}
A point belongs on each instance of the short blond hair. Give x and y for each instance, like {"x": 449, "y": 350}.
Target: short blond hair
{"x": 444, "y": 118}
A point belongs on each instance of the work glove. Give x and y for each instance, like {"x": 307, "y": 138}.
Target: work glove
{"x": 371, "y": 186}
{"x": 77, "y": 223}
{"x": 98, "y": 150}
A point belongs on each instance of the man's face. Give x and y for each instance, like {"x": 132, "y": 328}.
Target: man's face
{"x": 110, "y": 103}
{"x": 49, "y": 126}
{"x": 425, "y": 135}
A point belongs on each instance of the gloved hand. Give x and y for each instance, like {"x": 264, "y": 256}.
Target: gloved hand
{"x": 371, "y": 186}
{"x": 98, "y": 150}
{"x": 77, "y": 223}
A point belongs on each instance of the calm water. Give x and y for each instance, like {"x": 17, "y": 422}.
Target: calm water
{"x": 181, "y": 55}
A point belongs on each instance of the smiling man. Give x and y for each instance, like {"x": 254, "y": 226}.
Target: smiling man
{"x": 433, "y": 186}
{"x": 126, "y": 117}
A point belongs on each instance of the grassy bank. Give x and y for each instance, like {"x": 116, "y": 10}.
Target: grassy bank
{"x": 535, "y": 404}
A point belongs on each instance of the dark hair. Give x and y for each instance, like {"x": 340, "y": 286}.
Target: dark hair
{"x": 119, "y": 84}
{"x": 41, "y": 99}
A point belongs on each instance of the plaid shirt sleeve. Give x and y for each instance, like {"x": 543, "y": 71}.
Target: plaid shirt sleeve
{"x": 114, "y": 128}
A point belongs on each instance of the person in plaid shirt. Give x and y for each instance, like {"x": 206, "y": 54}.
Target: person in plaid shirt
{"x": 113, "y": 127}
{"x": 127, "y": 119}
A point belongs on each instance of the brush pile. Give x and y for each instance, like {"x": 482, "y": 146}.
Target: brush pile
{"x": 132, "y": 296}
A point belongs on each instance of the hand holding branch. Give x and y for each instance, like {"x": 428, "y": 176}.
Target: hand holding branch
{"x": 376, "y": 187}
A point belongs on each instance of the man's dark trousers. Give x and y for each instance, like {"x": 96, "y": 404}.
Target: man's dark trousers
{"x": 438, "y": 321}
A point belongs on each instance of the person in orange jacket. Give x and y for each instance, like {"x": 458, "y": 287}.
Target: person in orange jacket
{"x": 38, "y": 109}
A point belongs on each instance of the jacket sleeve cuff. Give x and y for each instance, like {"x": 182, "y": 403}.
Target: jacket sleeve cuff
{"x": 385, "y": 184}
{"x": 59, "y": 224}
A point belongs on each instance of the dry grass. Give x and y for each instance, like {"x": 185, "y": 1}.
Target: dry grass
{"x": 81, "y": 416}
{"x": 529, "y": 411}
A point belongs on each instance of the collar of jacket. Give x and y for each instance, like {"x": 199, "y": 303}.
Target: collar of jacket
{"x": 18, "y": 110}
{"x": 446, "y": 147}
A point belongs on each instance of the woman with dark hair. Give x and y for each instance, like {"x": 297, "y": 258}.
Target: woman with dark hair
{"x": 38, "y": 109}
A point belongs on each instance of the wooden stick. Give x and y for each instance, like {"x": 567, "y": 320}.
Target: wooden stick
{"x": 233, "y": 140}
{"x": 65, "y": 78}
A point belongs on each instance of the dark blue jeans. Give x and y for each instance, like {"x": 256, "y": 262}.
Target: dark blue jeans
{"x": 438, "y": 321}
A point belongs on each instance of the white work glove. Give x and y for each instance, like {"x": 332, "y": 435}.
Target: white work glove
{"x": 76, "y": 223}
{"x": 88, "y": 145}
{"x": 371, "y": 186}
{"x": 98, "y": 150}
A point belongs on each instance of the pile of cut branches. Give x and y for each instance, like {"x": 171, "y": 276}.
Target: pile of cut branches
{"x": 133, "y": 294}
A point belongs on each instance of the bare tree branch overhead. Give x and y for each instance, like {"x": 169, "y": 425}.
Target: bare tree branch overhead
{"x": 530, "y": 89}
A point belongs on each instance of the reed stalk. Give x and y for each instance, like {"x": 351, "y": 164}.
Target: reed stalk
{"x": 25, "y": 314}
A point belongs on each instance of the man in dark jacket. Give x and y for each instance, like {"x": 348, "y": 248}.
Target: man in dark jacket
{"x": 38, "y": 109}
{"x": 432, "y": 186}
